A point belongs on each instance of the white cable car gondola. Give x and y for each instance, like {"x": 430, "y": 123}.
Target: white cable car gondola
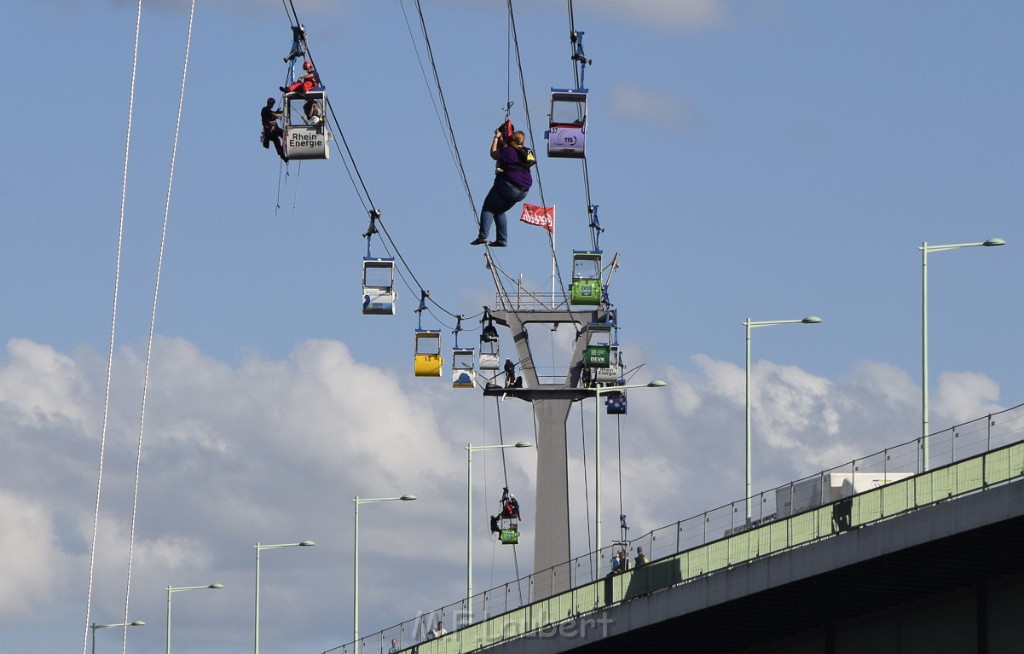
{"x": 489, "y": 350}
{"x": 610, "y": 373}
{"x": 305, "y": 125}
{"x": 567, "y": 128}
{"x": 379, "y": 287}
{"x": 463, "y": 373}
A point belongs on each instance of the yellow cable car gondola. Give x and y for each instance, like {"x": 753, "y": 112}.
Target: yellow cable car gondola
{"x": 428, "y": 353}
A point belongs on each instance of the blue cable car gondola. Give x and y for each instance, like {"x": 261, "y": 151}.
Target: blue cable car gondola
{"x": 616, "y": 402}
{"x": 586, "y": 278}
{"x": 379, "y": 287}
{"x": 567, "y": 128}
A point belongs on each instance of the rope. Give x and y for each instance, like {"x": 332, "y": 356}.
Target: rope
{"x": 152, "y": 320}
{"x": 447, "y": 116}
{"x": 113, "y": 331}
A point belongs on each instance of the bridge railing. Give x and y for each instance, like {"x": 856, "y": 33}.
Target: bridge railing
{"x": 963, "y": 459}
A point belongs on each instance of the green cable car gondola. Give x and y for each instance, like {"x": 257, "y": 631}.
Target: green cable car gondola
{"x": 586, "y": 278}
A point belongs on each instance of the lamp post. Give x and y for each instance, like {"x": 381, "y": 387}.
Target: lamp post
{"x": 260, "y": 548}
{"x": 94, "y": 627}
{"x": 750, "y": 324}
{"x": 355, "y": 560}
{"x": 469, "y": 516}
{"x": 174, "y": 589}
{"x": 925, "y": 249}
{"x": 598, "y": 390}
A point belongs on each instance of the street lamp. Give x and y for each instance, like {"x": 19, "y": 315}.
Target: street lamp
{"x": 94, "y": 627}
{"x": 750, "y": 324}
{"x": 598, "y": 390}
{"x": 260, "y": 548}
{"x": 925, "y": 249}
{"x": 355, "y": 560}
{"x": 174, "y": 589}
{"x": 469, "y": 516}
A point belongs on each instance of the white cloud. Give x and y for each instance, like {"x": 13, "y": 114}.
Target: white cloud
{"x": 667, "y": 13}
{"x": 963, "y": 396}
{"x": 33, "y": 562}
{"x": 274, "y": 450}
{"x": 653, "y": 107}
{"x": 40, "y": 386}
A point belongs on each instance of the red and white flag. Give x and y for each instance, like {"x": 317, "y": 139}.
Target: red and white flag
{"x": 540, "y": 216}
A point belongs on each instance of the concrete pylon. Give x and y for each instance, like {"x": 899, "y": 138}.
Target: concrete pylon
{"x": 551, "y": 404}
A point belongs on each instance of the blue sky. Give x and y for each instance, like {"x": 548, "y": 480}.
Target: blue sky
{"x": 767, "y": 159}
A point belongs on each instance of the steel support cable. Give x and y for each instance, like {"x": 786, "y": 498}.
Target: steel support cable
{"x": 530, "y": 131}
{"x": 447, "y": 116}
{"x": 504, "y": 471}
{"x": 426, "y": 82}
{"x": 355, "y": 177}
{"x": 360, "y": 185}
{"x": 152, "y": 323}
{"x": 578, "y": 79}
{"x": 113, "y": 332}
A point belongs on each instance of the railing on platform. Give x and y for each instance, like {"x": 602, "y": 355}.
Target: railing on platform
{"x": 964, "y": 459}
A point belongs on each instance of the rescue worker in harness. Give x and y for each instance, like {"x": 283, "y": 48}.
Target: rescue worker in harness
{"x": 509, "y": 510}
{"x": 271, "y": 129}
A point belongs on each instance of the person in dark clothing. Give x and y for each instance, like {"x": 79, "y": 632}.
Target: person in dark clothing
{"x": 510, "y": 373}
{"x": 272, "y": 132}
{"x": 512, "y": 181}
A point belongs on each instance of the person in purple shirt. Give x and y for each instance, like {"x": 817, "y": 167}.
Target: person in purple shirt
{"x": 512, "y": 181}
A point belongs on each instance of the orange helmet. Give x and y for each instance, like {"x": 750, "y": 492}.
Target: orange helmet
{"x": 308, "y": 65}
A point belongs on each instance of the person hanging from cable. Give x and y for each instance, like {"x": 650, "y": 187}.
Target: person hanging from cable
{"x": 272, "y": 131}
{"x": 512, "y": 181}
{"x": 305, "y": 83}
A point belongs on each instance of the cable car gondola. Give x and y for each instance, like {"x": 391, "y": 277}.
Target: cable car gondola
{"x": 506, "y": 523}
{"x": 379, "y": 287}
{"x": 616, "y": 402}
{"x": 597, "y": 355}
{"x": 305, "y": 125}
{"x": 586, "y": 277}
{"x": 609, "y": 374}
{"x": 428, "y": 353}
{"x": 567, "y": 128}
{"x": 463, "y": 373}
{"x": 489, "y": 358}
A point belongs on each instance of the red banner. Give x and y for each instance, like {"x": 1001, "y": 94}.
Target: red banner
{"x": 540, "y": 216}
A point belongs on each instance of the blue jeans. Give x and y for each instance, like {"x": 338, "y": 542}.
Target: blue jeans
{"x": 503, "y": 196}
